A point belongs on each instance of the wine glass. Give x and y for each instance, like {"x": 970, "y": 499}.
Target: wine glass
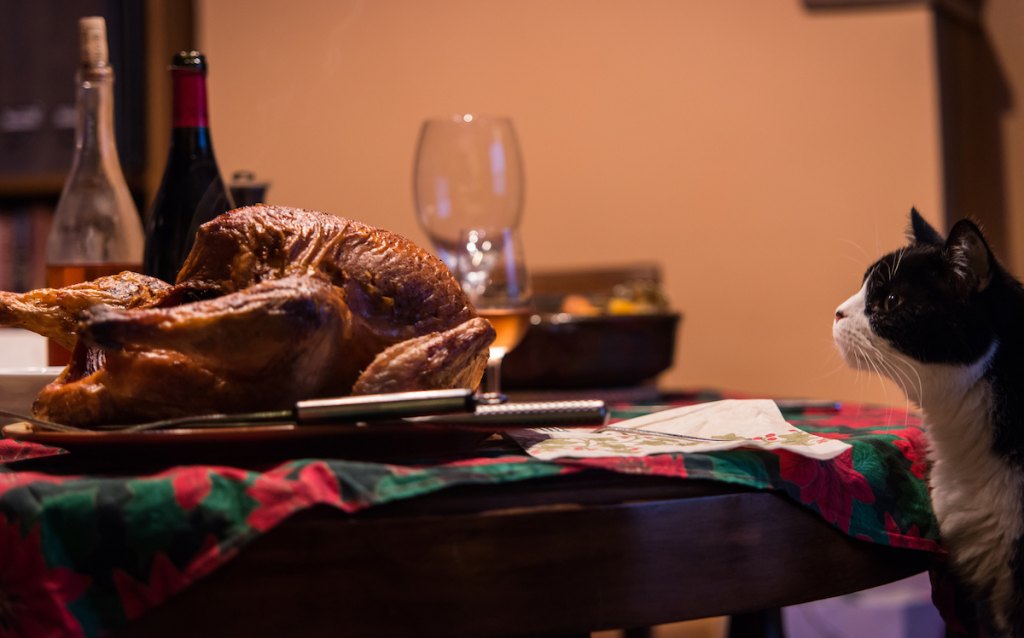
{"x": 467, "y": 175}
{"x": 491, "y": 269}
{"x": 468, "y": 190}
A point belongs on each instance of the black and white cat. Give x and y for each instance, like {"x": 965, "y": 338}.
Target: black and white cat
{"x": 945, "y": 320}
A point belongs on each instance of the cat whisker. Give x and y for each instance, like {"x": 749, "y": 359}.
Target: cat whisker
{"x": 894, "y": 360}
{"x": 898, "y": 368}
{"x": 864, "y": 256}
{"x": 902, "y": 379}
{"x": 873, "y": 363}
{"x": 864, "y": 356}
{"x": 854, "y": 260}
{"x": 919, "y": 386}
{"x": 899, "y": 259}
{"x": 899, "y": 378}
{"x": 886, "y": 364}
{"x": 863, "y": 252}
{"x": 876, "y": 360}
{"x": 839, "y": 367}
{"x": 829, "y": 346}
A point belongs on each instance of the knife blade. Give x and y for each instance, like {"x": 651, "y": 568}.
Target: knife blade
{"x": 332, "y": 411}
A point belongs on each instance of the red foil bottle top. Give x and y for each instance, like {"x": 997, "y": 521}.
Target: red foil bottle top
{"x": 188, "y": 76}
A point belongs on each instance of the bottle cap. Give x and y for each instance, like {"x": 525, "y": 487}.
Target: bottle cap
{"x": 189, "y": 61}
{"x": 92, "y": 33}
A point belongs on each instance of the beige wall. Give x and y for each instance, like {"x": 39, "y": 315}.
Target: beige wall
{"x": 762, "y": 154}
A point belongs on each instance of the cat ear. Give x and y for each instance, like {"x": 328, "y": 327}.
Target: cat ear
{"x": 921, "y": 231}
{"x": 971, "y": 257}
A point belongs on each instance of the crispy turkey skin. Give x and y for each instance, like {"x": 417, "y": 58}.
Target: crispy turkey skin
{"x": 53, "y": 312}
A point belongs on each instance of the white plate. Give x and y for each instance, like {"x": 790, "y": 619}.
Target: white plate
{"x": 20, "y": 386}
{"x": 21, "y": 348}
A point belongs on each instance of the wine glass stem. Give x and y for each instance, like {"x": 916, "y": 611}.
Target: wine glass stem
{"x": 492, "y": 382}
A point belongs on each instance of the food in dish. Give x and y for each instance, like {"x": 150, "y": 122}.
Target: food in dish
{"x": 629, "y": 298}
{"x": 273, "y": 305}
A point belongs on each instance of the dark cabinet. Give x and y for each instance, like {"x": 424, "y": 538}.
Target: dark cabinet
{"x": 38, "y": 60}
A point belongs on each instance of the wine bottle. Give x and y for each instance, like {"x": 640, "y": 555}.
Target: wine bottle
{"x": 191, "y": 191}
{"x": 96, "y": 228}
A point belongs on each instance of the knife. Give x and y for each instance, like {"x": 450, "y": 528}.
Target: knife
{"x": 313, "y": 412}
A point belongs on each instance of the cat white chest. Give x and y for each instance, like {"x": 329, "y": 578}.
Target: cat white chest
{"x": 976, "y": 494}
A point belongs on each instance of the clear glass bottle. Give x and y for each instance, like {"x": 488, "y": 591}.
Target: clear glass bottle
{"x": 191, "y": 191}
{"x": 96, "y": 228}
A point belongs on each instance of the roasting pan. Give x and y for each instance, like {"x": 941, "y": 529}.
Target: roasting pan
{"x": 564, "y": 351}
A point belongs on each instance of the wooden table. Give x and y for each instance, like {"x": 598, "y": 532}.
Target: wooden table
{"x": 546, "y": 557}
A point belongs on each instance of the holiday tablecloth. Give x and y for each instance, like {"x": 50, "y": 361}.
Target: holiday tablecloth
{"x": 82, "y": 555}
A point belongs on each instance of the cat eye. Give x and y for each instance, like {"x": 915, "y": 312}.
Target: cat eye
{"x": 892, "y": 301}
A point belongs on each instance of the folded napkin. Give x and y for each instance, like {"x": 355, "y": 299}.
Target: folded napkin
{"x": 705, "y": 427}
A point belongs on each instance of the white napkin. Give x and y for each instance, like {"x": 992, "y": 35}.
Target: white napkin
{"x": 705, "y": 427}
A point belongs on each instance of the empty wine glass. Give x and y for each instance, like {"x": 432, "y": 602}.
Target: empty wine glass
{"x": 467, "y": 175}
{"x": 468, "y": 190}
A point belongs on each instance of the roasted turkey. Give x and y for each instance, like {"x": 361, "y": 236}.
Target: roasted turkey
{"x": 272, "y": 305}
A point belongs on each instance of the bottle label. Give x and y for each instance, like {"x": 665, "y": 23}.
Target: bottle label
{"x": 189, "y": 99}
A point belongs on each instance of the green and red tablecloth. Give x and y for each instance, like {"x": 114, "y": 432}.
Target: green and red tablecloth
{"x": 83, "y": 555}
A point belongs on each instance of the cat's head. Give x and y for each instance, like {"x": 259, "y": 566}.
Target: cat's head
{"x": 922, "y": 305}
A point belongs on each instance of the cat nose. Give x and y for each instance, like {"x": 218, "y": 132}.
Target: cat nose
{"x": 840, "y": 314}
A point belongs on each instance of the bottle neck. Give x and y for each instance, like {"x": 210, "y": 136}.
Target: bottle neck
{"x": 94, "y": 130}
{"x": 189, "y": 89}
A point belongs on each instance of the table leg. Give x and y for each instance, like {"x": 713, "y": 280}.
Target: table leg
{"x": 757, "y": 624}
